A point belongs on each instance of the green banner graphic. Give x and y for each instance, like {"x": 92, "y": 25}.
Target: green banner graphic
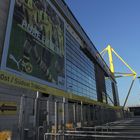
{"x": 37, "y": 42}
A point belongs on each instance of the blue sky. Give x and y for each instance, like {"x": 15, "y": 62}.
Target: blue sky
{"x": 115, "y": 22}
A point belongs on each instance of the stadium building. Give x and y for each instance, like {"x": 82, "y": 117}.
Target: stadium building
{"x": 51, "y": 75}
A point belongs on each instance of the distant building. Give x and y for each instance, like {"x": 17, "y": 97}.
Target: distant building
{"x": 135, "y": 110}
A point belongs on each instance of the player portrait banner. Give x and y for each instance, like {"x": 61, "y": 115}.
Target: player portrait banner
{"x": 36, "y": 43}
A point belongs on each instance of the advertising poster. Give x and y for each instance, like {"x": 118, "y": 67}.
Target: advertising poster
{"x": 36, "y": 44}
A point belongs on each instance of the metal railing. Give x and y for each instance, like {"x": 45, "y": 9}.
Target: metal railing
{"x": 124, "y": 129}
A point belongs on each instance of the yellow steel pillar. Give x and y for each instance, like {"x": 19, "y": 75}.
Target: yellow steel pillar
{"x": 109, "y": 49}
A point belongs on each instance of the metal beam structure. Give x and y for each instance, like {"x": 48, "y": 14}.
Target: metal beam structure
{"x": 133, "y": 74}
{"x": 110, "y": 52}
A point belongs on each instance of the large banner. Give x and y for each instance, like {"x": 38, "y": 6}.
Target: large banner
{"x": 36, "y": 43}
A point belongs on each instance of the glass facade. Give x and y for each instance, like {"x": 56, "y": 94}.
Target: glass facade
{"x": 109, "y": 91}
{"x": 80, "y": 71}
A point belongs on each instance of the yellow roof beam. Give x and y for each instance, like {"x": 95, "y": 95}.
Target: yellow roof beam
{"x": 110, "y": 51}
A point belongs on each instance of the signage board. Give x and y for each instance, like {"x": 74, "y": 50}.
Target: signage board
{"x": 34, "y": 44}
{"x": 8, "y": 108}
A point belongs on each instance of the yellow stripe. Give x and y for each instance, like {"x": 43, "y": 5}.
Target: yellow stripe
{"x": 8, "y": 103}
{"x": 14, "y": 80}
{"x": 7, "y": 113}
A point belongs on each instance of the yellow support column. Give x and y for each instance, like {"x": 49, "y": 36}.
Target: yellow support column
{"x": 109, "y": 49}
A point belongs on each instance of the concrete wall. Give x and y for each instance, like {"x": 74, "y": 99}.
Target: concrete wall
{"x": 14, "y": 121}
